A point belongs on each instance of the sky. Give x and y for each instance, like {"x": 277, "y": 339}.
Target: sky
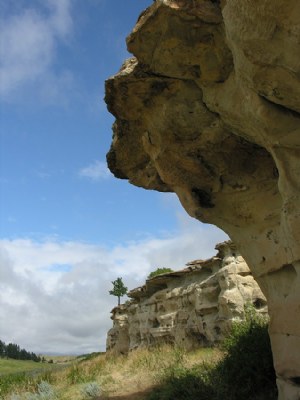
{"x": 68, "y": 228}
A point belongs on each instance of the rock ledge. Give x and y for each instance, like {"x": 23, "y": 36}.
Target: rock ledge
{"x": 192, "y": 307}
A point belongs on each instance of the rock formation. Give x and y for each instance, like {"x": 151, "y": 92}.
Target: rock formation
{"x": 191, "y": 307}
{"x": 209, "y": 108}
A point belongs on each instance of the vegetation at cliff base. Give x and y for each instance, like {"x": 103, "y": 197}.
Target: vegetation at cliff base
{"x": 241, "y": 369}
{"x": 244, "y": 372}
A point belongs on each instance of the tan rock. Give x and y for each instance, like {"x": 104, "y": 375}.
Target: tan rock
{"x": 191, "y": 307}
{"x": 118, "y": 336}
{"x": 209, "y": 109}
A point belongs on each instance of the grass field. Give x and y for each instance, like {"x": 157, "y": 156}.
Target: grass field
{"x": 9, "y": 366}
{"x": 24, "y": 375}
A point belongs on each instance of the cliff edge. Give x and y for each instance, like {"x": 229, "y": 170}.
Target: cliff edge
{"x": 192, "y": 307}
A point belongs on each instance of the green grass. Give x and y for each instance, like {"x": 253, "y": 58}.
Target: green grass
{"x": 9, "y": 366}
{"x": 20, "y": 373}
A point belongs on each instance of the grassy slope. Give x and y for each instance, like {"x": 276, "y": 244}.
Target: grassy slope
{"x": 126, "y": 378}
{"x": 243, "y": 372}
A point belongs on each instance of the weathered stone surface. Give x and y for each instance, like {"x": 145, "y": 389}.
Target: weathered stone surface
{"x": 209, "y": 109}
{"x": 191, "y": 307}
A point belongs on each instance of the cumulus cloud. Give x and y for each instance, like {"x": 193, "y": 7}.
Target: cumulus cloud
{"x": 96, "y": 171}
{"x": 54, "y": 295}
{"x": 28, "y": 46}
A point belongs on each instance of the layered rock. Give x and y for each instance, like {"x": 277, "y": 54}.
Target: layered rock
{"x": 192, "y": 307}
{"x": 209, "y": 109}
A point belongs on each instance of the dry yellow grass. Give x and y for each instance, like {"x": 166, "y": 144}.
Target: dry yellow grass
{"x": 123, "y": 377}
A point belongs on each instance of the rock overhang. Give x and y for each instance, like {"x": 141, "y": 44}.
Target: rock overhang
{"x": 209, "y": 109}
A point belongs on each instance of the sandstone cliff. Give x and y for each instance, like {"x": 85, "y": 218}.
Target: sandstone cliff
{"x": 209, "y": 109}
{"x": 191, "y": 307}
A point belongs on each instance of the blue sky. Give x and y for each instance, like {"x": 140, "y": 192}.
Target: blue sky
{"x": 68, "y": 227}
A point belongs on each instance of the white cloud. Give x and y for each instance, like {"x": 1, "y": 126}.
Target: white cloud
{"x": 48, "y": 308}
{"x": 96, "y": 171}
{"x": 28, "y": 47}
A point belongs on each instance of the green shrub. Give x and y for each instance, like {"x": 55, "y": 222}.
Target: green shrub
{"x": 184, "y": 384}
{"x": 247, "y": 368}
{"x": 159, "y": 271}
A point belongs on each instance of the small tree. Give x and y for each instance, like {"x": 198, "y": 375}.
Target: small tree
{"x": 119, "y": 289}
{"x": 159, "y": 271}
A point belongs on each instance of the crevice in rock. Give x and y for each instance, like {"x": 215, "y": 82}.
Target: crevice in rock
{"x": 203, "y": 198}
{"x": 143, "y": 70}
{"x": 295, "y": 380}
{"x": 259, "y": 303}
{"x": 155, "y": 323}
{"x": 279, "y": 107}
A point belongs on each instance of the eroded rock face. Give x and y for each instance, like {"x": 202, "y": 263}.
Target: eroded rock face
{"x": 191, "y": 307}
{"x": 209, "y": 109}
